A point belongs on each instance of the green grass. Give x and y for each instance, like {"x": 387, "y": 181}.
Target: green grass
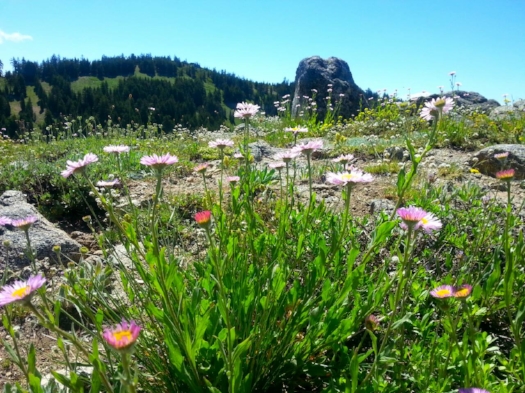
{"x": 93, "y": 82}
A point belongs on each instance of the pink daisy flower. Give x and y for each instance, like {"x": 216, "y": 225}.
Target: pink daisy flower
{"x": 308, "y": 148}
{"x": 506, "y": 175}
{"x": 415, "y": 218}
{"x": 159, "y": 162}
{"x": 116, "y": 149}
{"x": 238, "y": 156}
{"x": 473, "y": 390}
{"x": 233, "y": 179}
{"x": 20, "y": 291}
{"x": 245, "y": 110}
{"x": 201, "y": 168}
{"x": 286, "y": 156}
{"x": 24, "y": 223}
{"x": 430, "y": 223}
{"x": 351, "y": 178}
{"x": 443, "y": 292}
{"x": 344, "y": 159}
{"x": 122, "y": 336}
{"x": 221, "y": 143}
{"x": 277, "y": 165}
{"x": 5, "y": 221}
{"x": 78, "y": 166}
{"x": 463, "y": 291}
{"x": 108, "y": 184}
{"x": 435, "y": 106}
{"x": 501, "y": 156}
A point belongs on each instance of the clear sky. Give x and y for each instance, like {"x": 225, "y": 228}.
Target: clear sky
{"x": 392, "y": 44}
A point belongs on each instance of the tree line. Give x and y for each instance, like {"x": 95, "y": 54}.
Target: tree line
{"x": 163, "y": 90}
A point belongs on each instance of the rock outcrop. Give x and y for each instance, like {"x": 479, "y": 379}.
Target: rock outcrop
{"x": 323, "y": 78}
{"x": 485, "y": 162}
{"x": 43, "y": 234}
{"x": 468, "y": 99}
{"x": 508, "y": 111}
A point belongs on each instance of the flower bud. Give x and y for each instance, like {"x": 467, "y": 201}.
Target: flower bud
{"x": 203, "y": 218}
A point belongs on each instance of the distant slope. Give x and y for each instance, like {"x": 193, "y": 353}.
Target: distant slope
{"x": 124, "y": 88}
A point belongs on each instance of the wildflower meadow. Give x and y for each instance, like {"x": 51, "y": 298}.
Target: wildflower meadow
{"x": 257, "y": 283}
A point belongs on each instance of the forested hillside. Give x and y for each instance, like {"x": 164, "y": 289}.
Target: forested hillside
{"x": 125, "y": 90}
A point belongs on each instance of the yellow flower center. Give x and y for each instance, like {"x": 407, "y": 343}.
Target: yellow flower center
{"x": 347, "y": 176}
{"x": 424, "y": 221}
{"x": 123, "y": 334}
{"x": 462, "y": 293}
{"x": 440, "y": 103}
{"x": 21, "y": 292}
{"x": 443, "y": 292}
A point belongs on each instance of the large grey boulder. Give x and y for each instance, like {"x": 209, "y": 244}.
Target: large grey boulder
{"x": 316, "y": 74}
{"x": 43, "y": 234}
{"x": 485, "y": 162}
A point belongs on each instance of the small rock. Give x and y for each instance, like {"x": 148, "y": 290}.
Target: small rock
{"x": 378, "y": 205}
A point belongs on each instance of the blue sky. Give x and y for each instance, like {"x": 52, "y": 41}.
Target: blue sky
{"x": 392, "y": 44}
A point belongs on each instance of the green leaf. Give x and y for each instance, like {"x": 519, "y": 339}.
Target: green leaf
{"x": 401, "y": 180}
{"x": 327, "y": 287}
{"x": 96, "y": 380}
{"x": 35, "y": 384}
{"x": 239, "y": 354}
{"x": 63, "y": 380}
{"x": 31, "y": 361}
{"x": 382, "y": 232}
{"x": 300, "y": 245}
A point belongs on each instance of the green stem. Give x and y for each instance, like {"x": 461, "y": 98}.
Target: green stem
{"x": 20, "y": 362}
{"x": 222, "y": 292}
{"x": 208, "y": 197}
{"x": 128, "y": 378}
{"x": 30, "y": 253}
{"x": 346, "y": 213}
{"x": 156, "y": 201}
{"x": 222, "y": 174}
{"x": 71, "y": 338}
{"x": 453, "y": 324}
{"x": 397, "y": 297}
